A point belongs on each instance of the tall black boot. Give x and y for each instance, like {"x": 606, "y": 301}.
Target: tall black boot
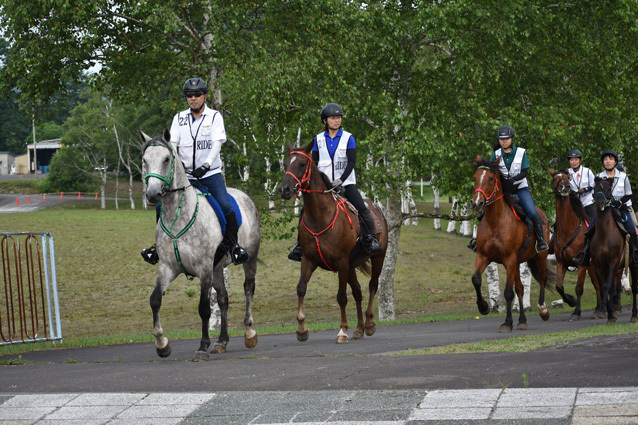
{"x": 472, "y": 244}
{"x": 237, "y": 253}
{"x": 369, "y": 236}
{"x": 633, "y": 247}
{"x": 541, "y": 245}
{"x": 582, "y": 258}
{"x": 150, "y": 254}
{"x": 295, "y": 253}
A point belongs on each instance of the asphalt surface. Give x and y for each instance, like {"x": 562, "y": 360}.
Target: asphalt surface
{"x": 369, "y": 381}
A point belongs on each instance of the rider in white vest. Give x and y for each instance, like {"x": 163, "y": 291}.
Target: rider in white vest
{"x": 581, "y": 180}
{"x": 198, "y": 134}
{"x": 621, "y": 193}
{"x": 335, "y": 154}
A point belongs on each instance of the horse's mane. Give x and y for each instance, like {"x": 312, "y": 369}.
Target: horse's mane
{"x": 574, "y": 200}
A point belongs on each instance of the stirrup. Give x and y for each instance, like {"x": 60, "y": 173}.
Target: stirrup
{"x": 542, "y": 248}
{"x": 295, "y": 253}
{"x": 238, "y": 255}
{"x": 472, "y": 244}
{"x": 579, "y": 259}
{"x": 150, "y": 255}
{"x": 370, "y": 246}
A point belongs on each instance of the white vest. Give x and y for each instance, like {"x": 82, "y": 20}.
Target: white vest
{"x": 195, "y": 139}
{"x": 583, "y": 182}
{"x": 515, "y": 167}
{"x": 618, "y": 185}
{"x": 333, "y": 167}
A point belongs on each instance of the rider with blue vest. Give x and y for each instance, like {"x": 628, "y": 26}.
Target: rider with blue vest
{"x": 335, "y": 154}
{"x": 513, "y": 166}
{"x": 198, "y": 134}
{"x": 581, "y": 180}
{"x": 621, "y": 194}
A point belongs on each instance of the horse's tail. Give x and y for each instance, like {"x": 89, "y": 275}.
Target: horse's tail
{"x": 365, "y": 268}
{"x": 550, "y": 274}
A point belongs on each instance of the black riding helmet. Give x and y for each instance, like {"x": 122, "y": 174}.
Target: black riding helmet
{"x": 574, "y": 153}
{"x": 331, "y": 110}
{"x": 195, "y": 84}
{"x": 609, "y": 152}
{"x": 505, "y": 132}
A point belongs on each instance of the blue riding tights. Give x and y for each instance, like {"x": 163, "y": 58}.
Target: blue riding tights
{"x": 216, "y": 186}
{"x": 527, "y": 202}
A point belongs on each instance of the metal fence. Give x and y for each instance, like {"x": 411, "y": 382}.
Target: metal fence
{"x": 29, "y": 305}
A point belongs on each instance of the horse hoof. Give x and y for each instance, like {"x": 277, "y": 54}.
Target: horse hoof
{"x": 544, "y": 314}
{"x": 358, "y": 334}
{"x": 484, "y": 308}
{"x": 505, "y": 329}
{"x": 370, "y": 330}
{"x": 201, "y": 355}
{"x": 165, "y": 351}
{"x": 342, "y": 339}
{"x": 611, "y": 321}
{"x": 597, "y": 314}
{"x": 522, "y": 326}
{"x": 633, "y": 319}
{"x": 574, "y": 318}
{"x": 218, "y": 348}
{"x": 251, "y": 342}
{"x": 302, "y": 336}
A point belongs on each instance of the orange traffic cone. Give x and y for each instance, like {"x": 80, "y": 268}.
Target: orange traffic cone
{"x": 61, "y": 195}
{"x": 96, "y": 196}
{"x": 17, "y": 202}
{"x": 79, "y": 195}
{"x": 27, "y": 199}
{"x": 44, "y": 197}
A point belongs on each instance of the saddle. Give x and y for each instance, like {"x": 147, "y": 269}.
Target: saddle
{"x": 218, "y": 210}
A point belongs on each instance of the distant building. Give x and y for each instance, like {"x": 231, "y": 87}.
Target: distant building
{"x": 7, "y": 161}
{"x": 42, "y": 152}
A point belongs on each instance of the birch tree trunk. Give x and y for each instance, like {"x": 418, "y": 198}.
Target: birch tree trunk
{"x": 466, "y": 226}
{"x": 392, "y": 213}
{"x": 437, "y": 208}
{"x": 451, "y": 226}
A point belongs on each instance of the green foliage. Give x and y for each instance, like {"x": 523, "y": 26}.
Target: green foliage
{"x": 66, "y": 174}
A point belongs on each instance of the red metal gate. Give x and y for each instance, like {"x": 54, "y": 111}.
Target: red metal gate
{"x": 29, "y": 305}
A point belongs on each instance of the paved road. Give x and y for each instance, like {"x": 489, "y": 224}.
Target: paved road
{"x": 285, "y": 381}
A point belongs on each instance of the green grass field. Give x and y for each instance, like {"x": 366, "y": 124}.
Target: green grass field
{"x": 104, "y": 285}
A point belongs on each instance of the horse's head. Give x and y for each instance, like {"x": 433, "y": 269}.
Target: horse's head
{"x": 158, "y": 158}
{"x": 602, "y": 193}
{"x": 560, "y": 183}
{"x": 297, "y": 170}
{"x": 486, "y": 184}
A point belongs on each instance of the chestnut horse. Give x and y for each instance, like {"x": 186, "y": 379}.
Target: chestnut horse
{"x": 609, "y": 251}
{"x": 328, "y": 233}
{"x": 503, "y": 238}
{"x": 568, "y": 240}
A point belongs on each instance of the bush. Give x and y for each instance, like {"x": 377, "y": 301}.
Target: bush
{"x": 66, "y": 175}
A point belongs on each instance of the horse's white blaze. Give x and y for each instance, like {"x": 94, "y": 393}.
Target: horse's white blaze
{"x": 293, "y": 159}
{"x": 342, "y": 333}
{"x": 477, "y": 194}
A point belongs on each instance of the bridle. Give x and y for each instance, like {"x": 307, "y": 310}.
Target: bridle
{"x": 562, "y": 177}
{"x": 607, "y": 201}
{"x": 304, "y": 182}
{"x": 492, "y": 198}
{"x": 167, "y": 180}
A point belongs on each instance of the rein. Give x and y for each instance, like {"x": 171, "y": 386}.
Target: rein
{"x": 166, "y": 189}
{"x": 489, "y": 199}
{"x": 302, "y": 187}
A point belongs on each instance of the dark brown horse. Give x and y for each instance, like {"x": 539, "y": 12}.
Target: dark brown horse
{"x": 609, "y": 251}
{"x": 328, "y": 233}
{"x": 503, "y": 238}
{"x": 568, "y": 240}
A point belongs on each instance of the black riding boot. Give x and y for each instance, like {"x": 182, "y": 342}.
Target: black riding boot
{"x": 369, "y": 236}
{"x": 582, "y": 258}
{"x": 237, "y": 253}
{"x": 541, "y": 245}
{"x": 150, "y": 255}
{"x": 295, "y": 252}
{"x": 472, "y": 244}
{"x": 633, "y": 247}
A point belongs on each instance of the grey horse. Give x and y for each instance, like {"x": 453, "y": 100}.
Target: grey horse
{"x": 187, "y": 236}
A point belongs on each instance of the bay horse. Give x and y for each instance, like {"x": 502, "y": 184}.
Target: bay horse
{"x": 569, "y": 240}
{"x": 328, "y": 232}
{"x": 503, "y": 238}
{"x": 187, "y": 236}
{"x": 609, "y": 251}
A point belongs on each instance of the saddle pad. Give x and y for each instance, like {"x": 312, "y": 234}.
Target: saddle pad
{"x": 218, "y": 210}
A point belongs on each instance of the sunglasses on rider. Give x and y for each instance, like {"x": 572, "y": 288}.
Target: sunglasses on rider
{"x": 196, "y": 94}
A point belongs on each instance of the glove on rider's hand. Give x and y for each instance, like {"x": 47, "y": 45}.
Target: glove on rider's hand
{"x": 336, "y": 182}
{"x": 199, "y": 172}
{"x": 616, "y": 203}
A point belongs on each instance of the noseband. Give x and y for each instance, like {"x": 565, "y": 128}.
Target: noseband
{"x": 489, "y": 199}
{"x": 167, "y": 180}
{"x": 562, "y": 177}
{"x": 304, "y": 182}
{"x": 607, "y": 201}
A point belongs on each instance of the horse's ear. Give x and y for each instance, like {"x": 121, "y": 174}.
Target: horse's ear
{"x": 289, "y": 146}
{"x": 478, "y": 158}
{"x": 551, "y": 172}
{"x": 143, "y": 136}
{"x": 166, "y": 135}
{"x": 309, "y": 146}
